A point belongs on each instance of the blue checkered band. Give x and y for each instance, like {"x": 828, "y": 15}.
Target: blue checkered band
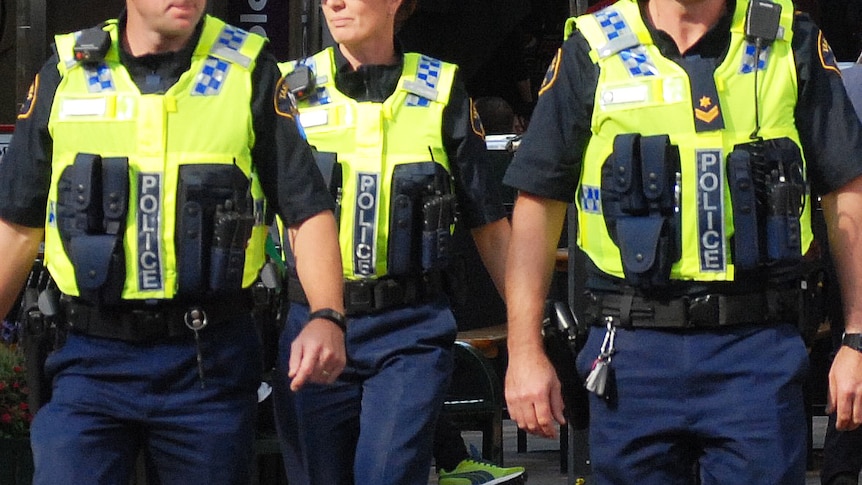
{"x": 226, "y": 50}
{"x": 637, "y": 61}
{"x": 211, "y": 77}
{"x": 99, "y": 79}
{"x": 613, "y": 24}
{"x": 591, "y": 199}
{"x": 748, "y": 54}
{"x": 424, "y": 90}
{"x": 624, "y": 42}
{"x": 232, "y": 37}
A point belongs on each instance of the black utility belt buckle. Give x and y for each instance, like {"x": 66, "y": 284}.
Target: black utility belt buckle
{"x": 368, "y": 296}
{"x": 704, "y": 311}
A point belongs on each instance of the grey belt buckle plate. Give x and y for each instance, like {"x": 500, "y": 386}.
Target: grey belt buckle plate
{"x": 703, "y": 311}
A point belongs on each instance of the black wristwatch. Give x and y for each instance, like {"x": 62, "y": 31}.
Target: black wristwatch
{"x": 333, "y": 316}
{"x": 852, "y": 340}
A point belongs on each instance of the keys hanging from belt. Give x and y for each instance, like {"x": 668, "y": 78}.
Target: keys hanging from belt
{"x": 196, "y": 320}
{"x": 597, "y": 379}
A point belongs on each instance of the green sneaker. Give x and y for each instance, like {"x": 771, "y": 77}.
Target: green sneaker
{"x": 478, "y": 472}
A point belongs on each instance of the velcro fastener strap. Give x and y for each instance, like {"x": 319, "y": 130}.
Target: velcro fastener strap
{"x": 190, "y": 244}
{"x": 626, "y": 161}
{"x": 115, "y": 193}
{"x": 654, "y": 165}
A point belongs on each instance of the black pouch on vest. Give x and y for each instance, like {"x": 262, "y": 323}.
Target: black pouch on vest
{"x": 437, "y": 217}
{"x": 231, "y": 231}
{"x": 202, "y": 189}
{"x": 746, "y": 235}
{"x": 644, "y": 248}
{"x": 93, "y": 257}
{"x": 785, "y": 198}
{"x": 401, "y": 236}
{"x": 413, "y": 185}
{"x": 79, "y": 197}
{"x": 659, "y": 164}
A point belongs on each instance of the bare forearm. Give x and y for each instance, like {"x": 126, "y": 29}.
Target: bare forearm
{"x": 492, "y": 242}
{"x": 318, "y": 261}
{"x": 19, "y": 245}
{"x": 842, "y": 210}
{"x": 536, "y": 227}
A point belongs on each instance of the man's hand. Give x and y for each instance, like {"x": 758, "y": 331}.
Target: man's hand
{"x": 845, "y": 389}
{"x": 533, "y": 395}
{"x": 317, "y": 354}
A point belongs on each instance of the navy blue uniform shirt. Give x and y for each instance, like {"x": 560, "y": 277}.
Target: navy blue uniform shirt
{"x": 548, "y": 160}
{"x": 478, "y": 193}
{"x": 288, "y": 174}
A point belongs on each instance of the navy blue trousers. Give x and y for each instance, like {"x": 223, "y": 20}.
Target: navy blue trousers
{"x": 375, "y": 424}
{"x": 724, "y": 404}
{"x": 112, "y": 399}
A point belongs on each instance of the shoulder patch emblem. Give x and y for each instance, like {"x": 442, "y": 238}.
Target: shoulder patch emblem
{"x": 27, "y": 107}
{"x": 285, "y": 103}
{"x": 551, "y": 74}
{"x": 476, "y": 121}
{"x": 827, "y": 58}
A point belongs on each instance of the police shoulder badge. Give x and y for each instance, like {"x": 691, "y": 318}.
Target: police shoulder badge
{"x": 27, "y": 107}
{"x": 827, "y": 58}
{"x": 475, "y": 120}
{"x": 551, "y": 74}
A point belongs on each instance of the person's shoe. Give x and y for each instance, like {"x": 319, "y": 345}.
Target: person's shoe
{"x": 478, "y": 472}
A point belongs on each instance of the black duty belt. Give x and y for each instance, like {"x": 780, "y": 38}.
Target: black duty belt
{"x": 141, "y": 323}
{"x": 371, "y": 296}
{"x": 711, "y": 310}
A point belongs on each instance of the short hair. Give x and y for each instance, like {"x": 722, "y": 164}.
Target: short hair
{"x": 497, "y": 115}
{"x": 405, "y": 10}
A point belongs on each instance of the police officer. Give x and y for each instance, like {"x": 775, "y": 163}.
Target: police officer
{"x": 154, "y": 232}
{"x": 404, "y": 150}
{"x": 692, "y": 136}
{"x": 842, "y": 460}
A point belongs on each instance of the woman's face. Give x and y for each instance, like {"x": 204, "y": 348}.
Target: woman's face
{"x": 358, "y": 22}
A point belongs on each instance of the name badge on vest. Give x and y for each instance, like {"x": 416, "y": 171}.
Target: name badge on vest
{"x": 365, "y": 223}
{"x": 149, "y": 231}
{"x": 710, "y": 210}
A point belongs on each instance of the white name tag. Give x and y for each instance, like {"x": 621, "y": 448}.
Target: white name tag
{"x": 626, "y": 94}
{"x": 314, "y": 118}
{"x": 84, "y": 107}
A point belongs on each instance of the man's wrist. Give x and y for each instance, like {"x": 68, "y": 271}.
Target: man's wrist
{"x": 852, "y": 340}
{"x": 333, "y": 316}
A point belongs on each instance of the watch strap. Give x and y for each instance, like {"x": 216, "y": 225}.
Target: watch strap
{"x": 333, "y": 316}
{"x": 852, "y": 340}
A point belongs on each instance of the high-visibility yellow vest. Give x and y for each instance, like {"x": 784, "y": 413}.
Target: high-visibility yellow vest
{"x": 640, "y": 91}
{"x": 204, "y": 118}
{"x": 371, "y": 139}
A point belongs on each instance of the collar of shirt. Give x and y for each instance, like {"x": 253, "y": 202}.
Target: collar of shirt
{"x": 713, "y": 45}
{"x": 371, "y": 82}
{"x": 156, "y": 73}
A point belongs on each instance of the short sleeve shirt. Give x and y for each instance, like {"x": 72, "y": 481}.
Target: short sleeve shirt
{"x": 548, "y": 160}
{"x": 290, "y": 179}
{"x": 479, "y": 196}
